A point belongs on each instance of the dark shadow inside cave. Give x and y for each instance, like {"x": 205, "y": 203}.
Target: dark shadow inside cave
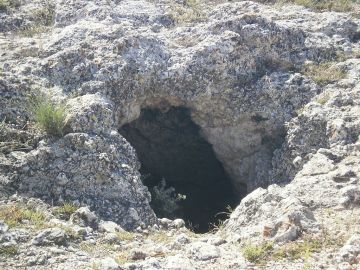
{"x": 170, "y": 147}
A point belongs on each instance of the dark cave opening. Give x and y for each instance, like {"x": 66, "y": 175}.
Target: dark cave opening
{"x": 170, "y": 147}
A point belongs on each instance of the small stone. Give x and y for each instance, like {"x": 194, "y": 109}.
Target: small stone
{"x": 178, "y": 262}
{"x": 182, "y": 239}
{"x": 111, "y": 238}
{"x": 216, "y": 241}
{"x": 110, "y": 227}
{"x": 203, "y": 251}
{"x": 109, "y": 264}
{"x": 178, "y": 223}
{"x": 3, "y": 227}
{"x": 49, "y": 237}
{"x": 84, "y": 217}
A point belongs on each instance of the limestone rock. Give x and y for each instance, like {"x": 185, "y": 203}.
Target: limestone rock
{"x": 109, "y": 264}
{"x": 350, "y": 251}
{"x": 109, "y": 227}
{"x": 89, "y": 113}
{"x": 178, "y": 262}
{"x": 203, "y": 251}
{"x": 49, "y": 237}
{"x": 3, "y": 227}
{"x": 85, "y": 218}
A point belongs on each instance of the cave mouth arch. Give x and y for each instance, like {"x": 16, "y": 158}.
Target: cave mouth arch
{"x": 177, "y": 162}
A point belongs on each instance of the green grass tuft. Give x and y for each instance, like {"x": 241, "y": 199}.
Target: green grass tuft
{"x": 65, "y": 211}
{"x": 257, "y": 253}
{"x": 48, "y": 115}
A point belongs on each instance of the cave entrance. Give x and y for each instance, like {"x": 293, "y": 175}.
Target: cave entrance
{"x": 180, "y": 168}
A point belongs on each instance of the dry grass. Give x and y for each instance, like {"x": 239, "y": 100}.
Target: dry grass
{"x": 323, "y": 98}
{"x": 16, "y": 216}
{"x": 191, "y": 12}
{"x": 324, "y": 73}
{"x": 160, "y": 237}
{"x": 43, "y": 18}
{"x": 8, "y": 251}
{"x": 261, "y": 253}
{"x": 319, "y": 5}
{"x": 65, "y": 211}
{"x": 123, "y": 257}
{"x": 125, "y": 236}
{"x": 257, "y": 253}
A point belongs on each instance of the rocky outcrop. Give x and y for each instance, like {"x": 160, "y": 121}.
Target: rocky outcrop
{"x": 238, "y": 69}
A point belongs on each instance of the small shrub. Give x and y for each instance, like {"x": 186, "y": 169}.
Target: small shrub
{"x": 15, "y": 215}
{"x": 65, "y": 211}
{"x": 324, "y": 73}
{"x": 49, "y": 116}
{"x": 165, "y": 201}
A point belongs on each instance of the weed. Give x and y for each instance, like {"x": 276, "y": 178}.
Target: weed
{"x": 299, "y": 249}
{"x": 323, "y": 98}
{"x": 48, "y": 115}
{"x": 65, "y": 211}
{"x": 302, "y": 248}
{"x": 323, "y": 5}
{"x": 189, "y": 14}
{"x": 31, "y": 31}
{"x": 220, "y": 224}
{"x": 98, "y": 249}
{"x": 15, "y": 215}
{"x": 71, "y": 233}
{"x": 125, "y": 236}
{"x": 165, "y": 200}
{"x": 324, "y": 73}
{"x": 257, "y": 253}
{"x": 8, "y": 251}
{"x": 122, "y": 258}
{"x": 160, "y": 237}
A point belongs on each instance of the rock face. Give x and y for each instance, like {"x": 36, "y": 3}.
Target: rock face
{"x": 79, "y": 167}
{"x": 237, "y": 70}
